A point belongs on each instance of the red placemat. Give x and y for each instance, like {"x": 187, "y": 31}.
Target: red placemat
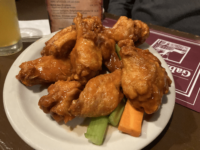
{"x": 183, "y": 58}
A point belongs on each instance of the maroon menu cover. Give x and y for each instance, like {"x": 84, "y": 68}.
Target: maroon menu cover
{"x": 183, "y": 58}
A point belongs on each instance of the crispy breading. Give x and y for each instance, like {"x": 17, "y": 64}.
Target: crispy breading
{"x": 61, "y": 44}
{"x": 59, "y": 99}
{"x": 126, "y": 28}
{"x": 100, "y": 96}
{"x": 144, "y": 80}
{"x": 47, "y": 69}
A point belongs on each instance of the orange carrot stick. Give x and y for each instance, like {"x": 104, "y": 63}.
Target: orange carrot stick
{"x": 131, "y": 120}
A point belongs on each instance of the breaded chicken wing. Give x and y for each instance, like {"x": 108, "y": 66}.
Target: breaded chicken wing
{"x": 86, "y": 57}
{"x": 109, "y": 55}
{"x": 61, "y": 44}
{"x": 46, "y": 69}
{"x": 126, "y": 28}
{"x": 144, "y": 81}
{"x": 59, "y": 99}
{"x": 100, "y": 96}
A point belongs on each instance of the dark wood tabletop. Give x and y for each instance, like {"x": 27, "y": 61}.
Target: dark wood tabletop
{"x": 181, "y": 133}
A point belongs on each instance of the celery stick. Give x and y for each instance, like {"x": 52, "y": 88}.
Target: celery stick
{"x": 97, "y": 129}
{"x": 117, "y": 48}
{"x": 115, "y": 116}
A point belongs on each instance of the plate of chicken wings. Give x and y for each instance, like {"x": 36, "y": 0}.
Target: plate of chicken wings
{"x": 62, "y": 80}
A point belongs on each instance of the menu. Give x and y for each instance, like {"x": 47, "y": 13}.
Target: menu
{"x": 183, "y": 58}
{"x": 62, "y": 12}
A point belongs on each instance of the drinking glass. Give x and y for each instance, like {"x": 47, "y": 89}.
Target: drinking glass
{"x": 10, "y": 39}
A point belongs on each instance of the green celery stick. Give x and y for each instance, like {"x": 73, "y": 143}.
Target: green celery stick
{"x": 117, "y": 48}
{"x": 115, "y": 116}
{"x": 97, "y": 129}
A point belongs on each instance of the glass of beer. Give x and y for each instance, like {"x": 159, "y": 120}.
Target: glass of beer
{"x": 10, "y": 39}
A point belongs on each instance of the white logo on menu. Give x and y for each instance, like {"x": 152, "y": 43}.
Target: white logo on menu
{"x": 171, "y": 51}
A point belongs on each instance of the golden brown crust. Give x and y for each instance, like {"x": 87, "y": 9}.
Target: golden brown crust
{"x": 126, "y": 28}
{"x": 144, "y": 80}
{"x": 61, "y": 44}
{"x": 59, "y": 99}
{"x": 47, "y": 69}
{"x": 86, "y": 57}
{"x": 100, "y": 96}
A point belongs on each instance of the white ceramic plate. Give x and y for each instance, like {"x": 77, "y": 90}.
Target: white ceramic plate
{"x": 42, "y": 133}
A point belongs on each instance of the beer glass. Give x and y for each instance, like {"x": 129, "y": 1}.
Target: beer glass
{"x": 10, "y": 39}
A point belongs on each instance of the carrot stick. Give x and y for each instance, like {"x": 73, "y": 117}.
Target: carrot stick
{"x": 131, "y": 120}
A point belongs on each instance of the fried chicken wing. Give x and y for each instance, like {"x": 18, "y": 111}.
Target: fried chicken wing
{"x": 144, "y": 81}
{"x": 100, "y": 96}
{"x": 126, "y": 28}
{"x": 46, "y": 69}
{"x": 110, "y": 57}
{"x": 61, "y": 44}
{"x": 86, "y": 57}
{"x": 59, "y": 99}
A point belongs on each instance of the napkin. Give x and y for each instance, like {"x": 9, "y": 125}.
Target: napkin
{"x": 34, "y": 29}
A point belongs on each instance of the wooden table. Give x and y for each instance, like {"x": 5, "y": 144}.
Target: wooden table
{"x": 181, "y": 133}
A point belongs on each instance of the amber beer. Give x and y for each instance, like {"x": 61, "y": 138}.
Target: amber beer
{"x": 10, "y": 40}
{"x": 62, "y": 12}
